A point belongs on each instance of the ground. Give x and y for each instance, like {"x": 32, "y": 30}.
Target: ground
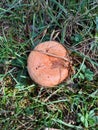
{"x": 24, "y": 105}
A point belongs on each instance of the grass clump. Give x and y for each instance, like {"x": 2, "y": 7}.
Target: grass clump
{"x": 23, "y": 104}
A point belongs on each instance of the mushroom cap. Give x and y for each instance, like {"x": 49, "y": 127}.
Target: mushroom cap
{"x": 46, "y": 65}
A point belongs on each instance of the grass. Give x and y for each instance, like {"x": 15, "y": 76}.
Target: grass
{"x": 71, "y": 105}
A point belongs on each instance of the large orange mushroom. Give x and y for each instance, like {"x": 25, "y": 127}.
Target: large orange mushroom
{"x": 49, "y": 64}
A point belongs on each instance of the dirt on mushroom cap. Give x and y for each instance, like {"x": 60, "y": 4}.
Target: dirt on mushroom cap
{"x": 48, "y": 64}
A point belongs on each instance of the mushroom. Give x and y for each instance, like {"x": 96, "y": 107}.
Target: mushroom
{"x": 49, "y": 64}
